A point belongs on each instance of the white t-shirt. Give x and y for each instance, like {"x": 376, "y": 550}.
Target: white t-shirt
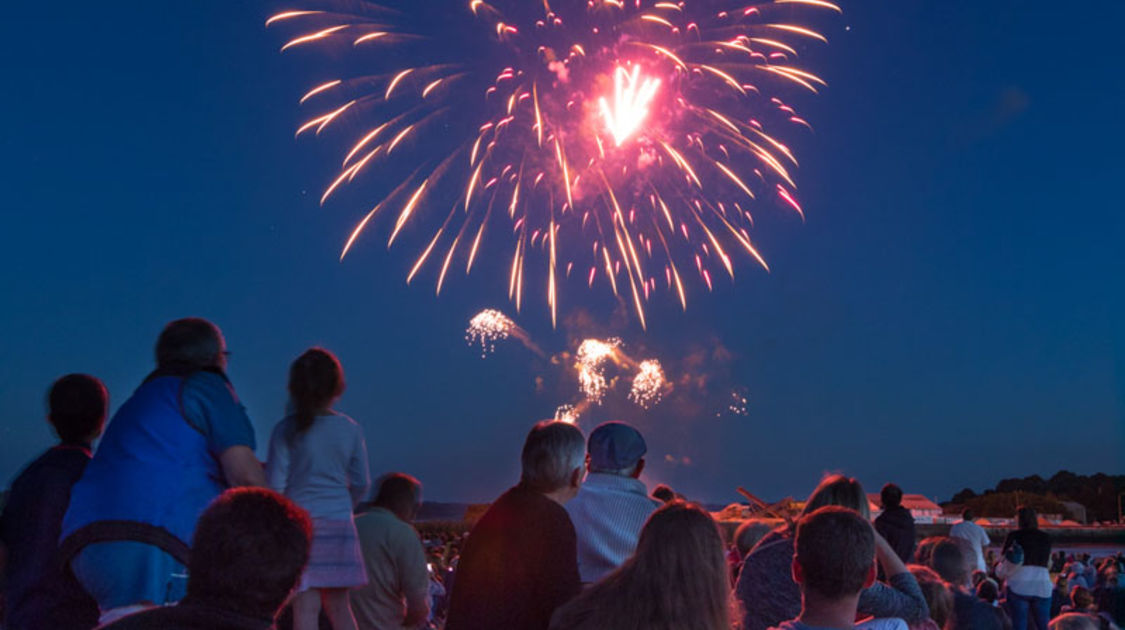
{"x": 976, "y": 536}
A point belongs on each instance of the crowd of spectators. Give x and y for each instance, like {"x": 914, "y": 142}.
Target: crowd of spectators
{"x": 173, "y": 523}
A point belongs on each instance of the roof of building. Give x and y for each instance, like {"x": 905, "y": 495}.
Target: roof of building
{"x": 912, "y": 502}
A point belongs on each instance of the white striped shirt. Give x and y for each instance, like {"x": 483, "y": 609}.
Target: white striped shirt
{"x": 608, "y": 515}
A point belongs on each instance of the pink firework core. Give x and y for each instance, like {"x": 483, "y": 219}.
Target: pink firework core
{"x": 632, "y": 94}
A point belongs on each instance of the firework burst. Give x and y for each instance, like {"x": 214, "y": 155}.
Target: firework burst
{"x": 591, "y": 359}
{"x": 486, "y": 328}
{"x": 620, "y": 140}
{"x": 490, "y": 325}
{"x": 648, "y": 383}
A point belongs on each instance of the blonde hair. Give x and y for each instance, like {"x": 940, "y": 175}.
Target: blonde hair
{"x": 677, "y": 578}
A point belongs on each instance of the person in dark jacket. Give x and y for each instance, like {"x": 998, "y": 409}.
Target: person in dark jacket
{"x": 520, "y": 562}
{"x": 249, "y": 549}
{"x": 39, "y": 593}
{"x": 896, "y": 524}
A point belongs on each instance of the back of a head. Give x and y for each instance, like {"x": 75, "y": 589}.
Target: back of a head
{"x": 891, "y": 496}
{"x": 948, "y": 558}
{"x": 663, "y": 493}
{"x": 924, "y": 551}
{"x": 551, "y": 453}
{"x": 316, "y": 379}
{"x": 967, "y": 515}
{"x": 1081, "y": 597}
{"x": 835, "y": 548}
{"x": 677, "y": 578}
{"x": 191, "y": 343}
{"x": 1073, "y": 621}
{"x": 1027, "y": 517}
{"x": 249, "y": 549}
{"x": 615, "y": 448}
{"x": 938, "y": 596}
{"x": 399, "y": 493}
{"x": 988, "y": 590}
{"x": 838, "y": 490}
{"x": 76, "y": 407}
{"x": 748, "y": 534}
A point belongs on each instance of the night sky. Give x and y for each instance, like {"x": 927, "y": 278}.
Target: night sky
{"x": 952, "y": 312}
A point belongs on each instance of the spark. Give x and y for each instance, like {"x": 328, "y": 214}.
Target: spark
{"x": 318, "y": 89}
{"x": 313, "y": 36}
{"x": 289, "y": 14}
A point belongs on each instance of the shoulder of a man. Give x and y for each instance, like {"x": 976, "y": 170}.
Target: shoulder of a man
{"x": 211, "y": 405}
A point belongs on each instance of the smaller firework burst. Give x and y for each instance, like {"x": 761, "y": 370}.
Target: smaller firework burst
{"x": 567, "y": 414}
{"x": 648, "y": 384}
{"x": 592, "y": 356}
{"x": 738, "y": 403}
{"x": 486, "y": 328}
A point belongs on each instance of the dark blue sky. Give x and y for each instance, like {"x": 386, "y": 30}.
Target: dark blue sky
{"x": 952, "y": 312}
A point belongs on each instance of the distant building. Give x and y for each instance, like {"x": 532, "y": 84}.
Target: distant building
{"x": 922, "y": 509}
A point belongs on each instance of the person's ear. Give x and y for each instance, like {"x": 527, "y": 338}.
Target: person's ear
{"x": 576, "y": 478}
{"x": 587, "y": 461}
{"x": 798, "y": 571}
{"x": 640, "y": 468}
{"x": 872, "y": 574}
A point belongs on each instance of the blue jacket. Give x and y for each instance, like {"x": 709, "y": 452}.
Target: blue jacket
{"x": 152, "y": 467}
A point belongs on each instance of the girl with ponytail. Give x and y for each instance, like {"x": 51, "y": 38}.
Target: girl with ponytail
{"x": 318, "y": 458}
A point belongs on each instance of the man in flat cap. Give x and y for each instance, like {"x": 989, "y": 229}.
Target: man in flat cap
{"x": 613, "y": 504}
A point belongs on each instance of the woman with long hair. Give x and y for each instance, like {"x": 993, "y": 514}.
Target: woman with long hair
{"x": 677, "y": 578}
{"x": 318, "y": 458}
{"x": 766, "y": 590}
{"x": 1028, "y": 584}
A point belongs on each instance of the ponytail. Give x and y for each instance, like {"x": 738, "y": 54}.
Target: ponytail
{"x": 316, "y": 380}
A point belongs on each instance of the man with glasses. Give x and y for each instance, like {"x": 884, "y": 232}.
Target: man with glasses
{"x": 176, "y": 444}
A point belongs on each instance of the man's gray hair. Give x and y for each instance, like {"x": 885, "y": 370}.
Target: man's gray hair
{"x": 189, "y": 342}
{"x": 551, "y": 453}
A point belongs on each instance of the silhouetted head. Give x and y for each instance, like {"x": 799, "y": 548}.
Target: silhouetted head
{"x": 77, "y": 405}
{"x": 663, "y": 493}
{"x": 1027, "y": 517}
{"x": 839, "y": 490}
{"x": 948, "y": 558}
{"x": 835, "y": 553}
{"x": 191, "y": 343}
{"x": 938, "y": 597}
{"x": 316, "y": 380}
{"x": 677, "y": 578}
{"x": 400, "y": 493}
{"x": 748, "y": 534}
{"x": 248, "y": 552}
{"x": 891, "y": 496}
{"x": 616, "y": 448}
{"x": 553, "y": 457}
{"x": 988, "y": 590}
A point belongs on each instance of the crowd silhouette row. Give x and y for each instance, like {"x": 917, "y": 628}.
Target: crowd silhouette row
{"x": 173, "y": 523}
